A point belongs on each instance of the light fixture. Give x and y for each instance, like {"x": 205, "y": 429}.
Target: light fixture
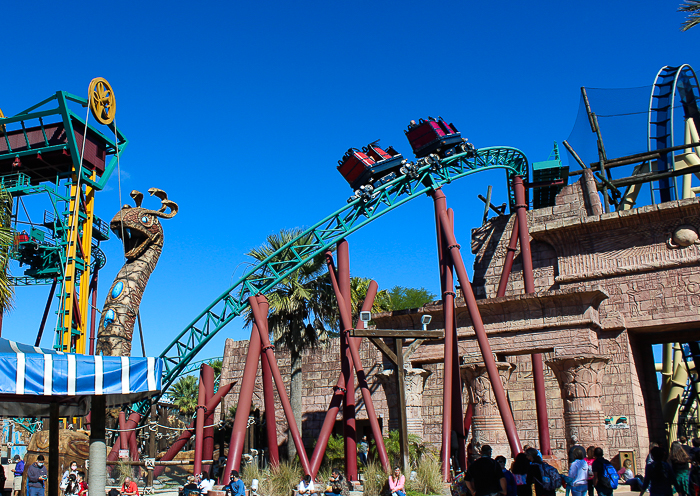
{"x": 365, "y": 317}
{"x": 425, "y": 320}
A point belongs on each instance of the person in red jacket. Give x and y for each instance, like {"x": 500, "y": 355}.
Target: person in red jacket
{"x": 129, "y": 488}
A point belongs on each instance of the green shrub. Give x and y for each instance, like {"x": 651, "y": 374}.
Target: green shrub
{"x": 375, "y": 480}
{"x": 416, "y": 449}
{"x": 283, "y": 479}
{"x": 429, "y": 476}
{"x": 250, "y": 472}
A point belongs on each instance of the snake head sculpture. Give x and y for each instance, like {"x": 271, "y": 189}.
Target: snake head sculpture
{"x": 139, "y": 227}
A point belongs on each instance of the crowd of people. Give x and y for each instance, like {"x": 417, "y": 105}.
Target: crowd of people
{"x": 589, "y": 473}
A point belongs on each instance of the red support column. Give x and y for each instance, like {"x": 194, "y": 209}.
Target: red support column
{"x": 187, "y": 434}
{"x": 327, "y": 427}
{"x": 354, "y": 346}
{"x": 284, "y": 398}
{"x": 508, "y": 265}
{"x": 200, "y": 412}
{"x": 480, "y": 331}
{"x": 529, "y": 278}
{"x": 269, "y": 395}
{"x": 349, "y": 428}
{"x": 457, "y": 415}
{"x": 468, "y": 418}
{"x": 447, "y": 289}
{"x": 245, "y": 398}
{"x": 270, "y": 420}
{"x": 208, "y": 445}
{"x": 123, "y": 439}
{"x": 131, "y": 422}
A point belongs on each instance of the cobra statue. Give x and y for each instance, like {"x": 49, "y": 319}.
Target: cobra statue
{"x": 142, "y": 235}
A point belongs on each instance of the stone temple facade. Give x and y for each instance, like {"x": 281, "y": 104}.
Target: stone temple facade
{"x": 608, "y": 287}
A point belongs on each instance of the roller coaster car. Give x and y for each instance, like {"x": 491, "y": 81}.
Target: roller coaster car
{"x": 436, "y": 136}
{"x": 373, "y": 165}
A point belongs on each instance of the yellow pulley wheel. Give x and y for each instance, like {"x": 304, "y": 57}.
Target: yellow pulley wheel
{"x": 3, "y": 128}
{"x": 102, "y": 102}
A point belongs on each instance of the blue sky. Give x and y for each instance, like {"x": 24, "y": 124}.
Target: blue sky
{"x": 240, "y": 111}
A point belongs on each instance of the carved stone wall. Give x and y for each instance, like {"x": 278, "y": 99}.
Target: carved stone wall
{"x": 414, "y": 385}
{"x": 487, "y": 426}
{"x": 606, "y": 286}
{"x": 580, "y": 379}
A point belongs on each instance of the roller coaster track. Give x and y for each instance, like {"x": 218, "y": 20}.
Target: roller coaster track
{"x": 427, "y": 175}
{"x": 660, "y": 132}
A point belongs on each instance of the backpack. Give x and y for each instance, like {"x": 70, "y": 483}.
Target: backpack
{"x": 551, "y": 480}
{"x": 610, "y": 477}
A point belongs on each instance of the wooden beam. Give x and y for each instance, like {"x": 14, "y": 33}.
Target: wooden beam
{"x": 384, "y": 349}
{"x": 411, "y": 349}
{"x": 397, "y": 333}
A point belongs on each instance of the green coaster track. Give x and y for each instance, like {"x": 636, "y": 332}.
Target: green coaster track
{"x": 425, "y": 176}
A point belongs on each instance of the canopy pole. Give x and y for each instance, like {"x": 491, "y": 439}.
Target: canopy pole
{"x": 53, "y": 450}
{"x": 97, "y": 472}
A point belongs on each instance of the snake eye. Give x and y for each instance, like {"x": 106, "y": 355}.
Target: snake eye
{"x": 145, "y": 219}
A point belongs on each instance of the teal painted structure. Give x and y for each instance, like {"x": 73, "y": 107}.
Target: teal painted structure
{"x": 422, "y": 178}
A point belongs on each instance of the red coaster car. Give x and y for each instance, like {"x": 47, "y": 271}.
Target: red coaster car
{"x": 373, "y": 165}
{"x": 433, "y": 136}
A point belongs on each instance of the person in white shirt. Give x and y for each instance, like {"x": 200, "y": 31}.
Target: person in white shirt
{"x": 206, "y": 484}
{"x": 578, "y": 472}
{"x": 306, "y": 487}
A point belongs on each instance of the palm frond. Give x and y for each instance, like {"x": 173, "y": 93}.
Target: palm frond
{"x": 693, "y": 17}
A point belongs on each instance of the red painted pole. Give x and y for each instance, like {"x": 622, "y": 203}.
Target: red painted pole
{"x": 186, "y": 435}
{"x": 468, "y": 418}
{"x": 245, "y": 398}
{"x": 327, "y": 427}
{"x": 199, "y": 424}
{"x": 208, "y": 444}
{"x": 448, "y": 294}
{"x": 529, "y": 278}
{"x": 510, "y": 255}
{"x": 123, "y": 440}
{"x": 131, "y": 422}
{"x": 353, "y": 346}
{"x": 134, "y": 451}
{"x": 480, "y": 331}
{"x": 284, "y": 398}
{"x": 457, "y": 414}
{"x": 349, "y": 427}
{"x": 270, "y": 421}
{"x": 269, "y": 395}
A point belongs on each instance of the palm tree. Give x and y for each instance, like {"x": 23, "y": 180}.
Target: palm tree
{"x": 693, "y": 9}
{"x": 300, "y": 315}
{"x": 184, "y": 394}
{"x": 6, "y": 241}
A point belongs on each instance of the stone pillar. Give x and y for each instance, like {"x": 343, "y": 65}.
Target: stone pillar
{"x": 487, "y": 426}
{"x": 580, "y": 379}
{"x": 415, "y": 381}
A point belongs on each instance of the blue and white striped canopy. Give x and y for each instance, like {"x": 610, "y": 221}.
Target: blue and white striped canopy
{"x": 32, "y": 377}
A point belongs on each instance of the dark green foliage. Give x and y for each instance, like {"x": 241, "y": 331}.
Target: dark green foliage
{"x": 403, "y": 298}
{"x": 184, "y": 394}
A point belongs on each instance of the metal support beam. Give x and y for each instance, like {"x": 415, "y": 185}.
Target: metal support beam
{"x": 529, "y": 279}
{"x": 480, "y": 331}
{"x": 187, "y": 434}
{"x": 208, "y": 442}
{"x": 245, "y": 398}
{"x": 200, "y": 414}
{"x": 349, "y": 424}
{"x": 270, "y": 419}
{"x": 448, "y": 294}
{"x": 267, "y": 348}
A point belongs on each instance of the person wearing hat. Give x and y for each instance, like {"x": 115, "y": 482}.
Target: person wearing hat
{"x": 36, "y": 477}
{"x": 18, "y": 471}
{"x": 236, "y": 486}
